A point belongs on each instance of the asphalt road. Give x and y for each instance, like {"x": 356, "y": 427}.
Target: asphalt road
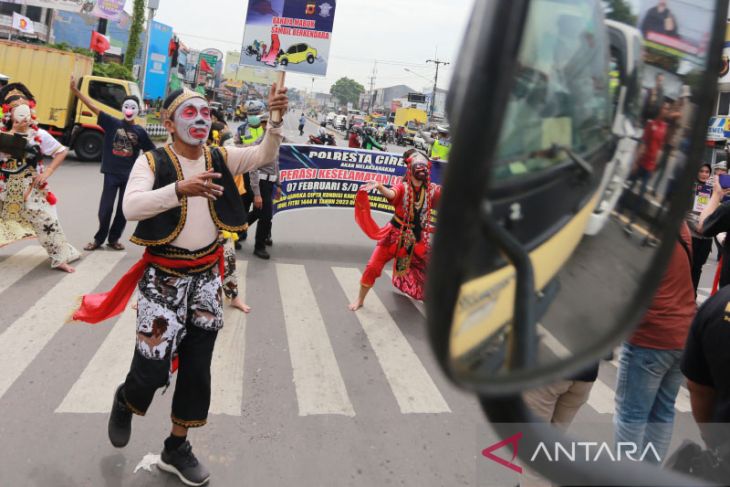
{"x": 306, "y": 393}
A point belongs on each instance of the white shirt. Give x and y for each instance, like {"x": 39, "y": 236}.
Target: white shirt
{"x": 142, "y": 202}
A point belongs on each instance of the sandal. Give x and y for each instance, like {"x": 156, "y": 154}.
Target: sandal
{"x": 115, "y": 246}
{"x": 91, "y": 246}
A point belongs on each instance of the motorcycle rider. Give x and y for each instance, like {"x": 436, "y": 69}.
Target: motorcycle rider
{"x": 441, "y": 145}
{"x": 354, "y": 139}
{"x": 368, "y": 140}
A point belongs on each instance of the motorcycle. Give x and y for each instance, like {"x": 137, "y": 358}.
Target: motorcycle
{"x": 326, "y": 140}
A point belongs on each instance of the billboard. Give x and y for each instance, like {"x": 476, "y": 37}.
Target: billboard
{"x": 106, "y": 9}
{"x": 158, "y": 62}
{"x": 294, "y": 34}
{"x": 75, "y": 30}
{"x": 675, "y": 33}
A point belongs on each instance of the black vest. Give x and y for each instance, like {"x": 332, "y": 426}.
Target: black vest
{"x": 227, "y": 211}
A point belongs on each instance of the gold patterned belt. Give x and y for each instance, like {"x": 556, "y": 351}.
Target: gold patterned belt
{"x": 13, "y": 166}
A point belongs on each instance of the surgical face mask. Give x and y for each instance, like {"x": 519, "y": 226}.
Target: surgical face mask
{"x": 21, "y": 114}
{"x": 254, "y": 120}
{"x": 192, "y": 121}
{"x": 130, "y": 110}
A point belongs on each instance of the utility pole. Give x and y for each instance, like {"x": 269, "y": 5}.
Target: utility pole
{"x": 438, "y": 63}
{"x": 372, "y": 83}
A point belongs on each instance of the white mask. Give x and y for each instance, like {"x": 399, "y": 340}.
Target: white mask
{"x": 192, "y": 121}
{"x": 21, "y": 114}
{"x": 130, "y": 110}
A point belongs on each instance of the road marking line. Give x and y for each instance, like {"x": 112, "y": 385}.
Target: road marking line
{"x": 93, "y": 391}
{"x": 552, "y": 343}
{"x": 418, "y": 304}
{"x": 20, "y": 264}
{"x": 228, "y": 357}
{"x": 602, "y": 398}
{"x": 682, "y": 403}
{"x": 319, "y": 385}
{"x": 24, "y": 339}
{"x": 412, "y": 387}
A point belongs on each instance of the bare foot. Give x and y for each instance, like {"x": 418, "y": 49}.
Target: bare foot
{"x": 238, "y": 304}
{"x": 66, "y": 268}
{"x": 355, "y": 305}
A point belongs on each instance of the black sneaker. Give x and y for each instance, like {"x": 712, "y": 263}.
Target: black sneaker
{"x": 120, "y": 421}
{"x": 261, "y": 254}
{"x": 182, "y": 462}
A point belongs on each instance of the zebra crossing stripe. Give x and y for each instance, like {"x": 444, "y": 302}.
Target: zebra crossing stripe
{"x": 682, "y": 403}
{"x": 552, "y": 343}
{"x": 24, "y": 339}
{"x": 412, "y": 387}
{"x": 93, "y": 391}
{"x": 602, "y": 398}
{"x": 19, "y": 264}
{"x": 319, "y": 385}
{"x": 228, "y": 356}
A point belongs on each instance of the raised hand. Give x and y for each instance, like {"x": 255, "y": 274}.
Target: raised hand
{"x": 278, "y": 99}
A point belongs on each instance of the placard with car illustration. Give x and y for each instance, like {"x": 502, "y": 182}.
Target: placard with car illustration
{"x": 293, "y": 34}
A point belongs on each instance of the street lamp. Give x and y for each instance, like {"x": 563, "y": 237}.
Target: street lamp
{"x": 417, "y": 74}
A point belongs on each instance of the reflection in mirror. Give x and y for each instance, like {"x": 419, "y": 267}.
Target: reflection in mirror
{"x": 594, "y": 141}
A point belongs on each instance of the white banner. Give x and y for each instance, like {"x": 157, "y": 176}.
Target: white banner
{"x": 107, "y": 9}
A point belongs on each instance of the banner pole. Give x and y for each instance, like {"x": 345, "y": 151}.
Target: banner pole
{"x": 276, "y": 115}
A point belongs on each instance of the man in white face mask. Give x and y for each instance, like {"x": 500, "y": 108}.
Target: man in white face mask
{"x": 123, "y": 141}
{"x": 183, "y": 195}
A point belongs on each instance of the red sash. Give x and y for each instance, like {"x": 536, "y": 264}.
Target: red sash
{"x": 95, "y": 308}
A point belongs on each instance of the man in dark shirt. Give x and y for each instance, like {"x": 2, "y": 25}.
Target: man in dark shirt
{"x": 660, "y": 19}
{"x": 123, "y": 140}
{"x": 706, "y": 363}
{"x": 715, "y": 219}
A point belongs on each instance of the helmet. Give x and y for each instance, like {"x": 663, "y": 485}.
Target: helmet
{"x": 442, "y": 129}
{"x": 254, "y": 107}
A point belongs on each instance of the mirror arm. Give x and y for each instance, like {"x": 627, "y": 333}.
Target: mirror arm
{"x": 523, "y": 338}
{"x": 510, "y": 415}
{"x": 577, "y": 160}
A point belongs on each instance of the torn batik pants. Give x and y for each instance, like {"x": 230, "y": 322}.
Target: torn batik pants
{"x": 178, "y": 316}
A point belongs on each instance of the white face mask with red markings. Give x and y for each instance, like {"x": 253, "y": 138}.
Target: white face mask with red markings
{"x": 130, "y": 110}
{"x": 22, "y": 114}
{"x": 192, "y": 121}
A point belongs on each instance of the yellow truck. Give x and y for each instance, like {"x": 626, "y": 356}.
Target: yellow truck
{"x": 405, "y": 115}
{"x": 47, "y": 73}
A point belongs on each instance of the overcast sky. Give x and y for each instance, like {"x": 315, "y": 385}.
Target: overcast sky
{"x": 400, "y": 31}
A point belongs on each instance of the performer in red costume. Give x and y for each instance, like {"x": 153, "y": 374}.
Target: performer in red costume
{"x": 407, "y": 236}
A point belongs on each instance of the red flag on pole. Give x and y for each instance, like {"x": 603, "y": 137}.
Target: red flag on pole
{"x": 99, "y": 43}
{"x": 204, "y": 66}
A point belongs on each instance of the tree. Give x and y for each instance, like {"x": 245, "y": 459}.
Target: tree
{"x": 620, "y": 11}
{"x": 133, "y": 44}
{"x": 112, "y": 70}
{"x": 347, "y": 90}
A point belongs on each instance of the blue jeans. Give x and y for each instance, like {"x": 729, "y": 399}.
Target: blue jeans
{"x": 647, "y": 385}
